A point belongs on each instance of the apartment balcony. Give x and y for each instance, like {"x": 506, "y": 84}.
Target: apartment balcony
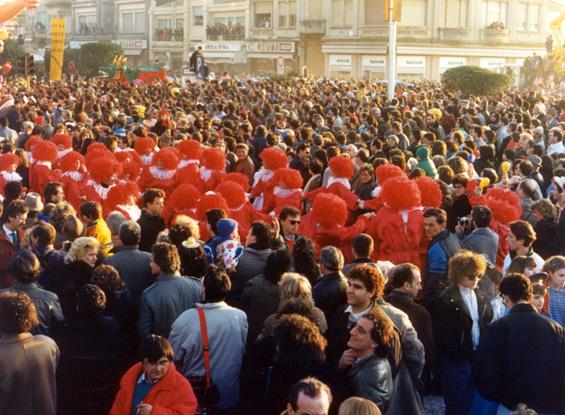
{"x": 454, "y": 34}
{"x": 373, "y": 32}
{"x": 313, "y": 26}
{"x": 261, "y": 33}
{"x": 408, "y": 32}
{"x": 495, "y": 36}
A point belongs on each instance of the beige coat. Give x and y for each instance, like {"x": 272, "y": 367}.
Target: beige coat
{"x": 27, "y": 375}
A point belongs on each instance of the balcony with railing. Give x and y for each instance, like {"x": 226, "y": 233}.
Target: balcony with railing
{"x": 225, "y": 32}
{"x": 495, "y": 35}
{"x": 168, "y": 35}
{"x": 454, "y": 34}
{"x": 313, "y": 26}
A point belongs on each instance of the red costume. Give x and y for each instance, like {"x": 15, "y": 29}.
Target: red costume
{"x": 64, "y": 145}
{"x": 398, "y": 227}
{"x": 29, "y": 144}
{"x": 123, "y": 198}
{"x": 325, "y": 224}
{"x": 72, "y": 177}
{"x": 475, "y": 193}
{"x": 145, "y": 147}
{"x": 212, "y": 171}
{"x": 239, "y": 178}
{"x": 182, "y": 201}
{"x": 40, "y": 173}
{"x": 131, "y": 165}
{"x": 382, "y": 173}
{"x": 172, "y": 395}
{"x": 8, "y": 165}
{"x": 342, "y": 171}
{"x": 189, "y": 165}
{"x": 208, "y": 201}
{"x": 240, "y": 209}
{"x": 263, "y": 183}
{"x": 288, "y": 191}
{"x": 506, "y": 208}
{"x": 103, "y": 175}
{"x": 162, "y": 172}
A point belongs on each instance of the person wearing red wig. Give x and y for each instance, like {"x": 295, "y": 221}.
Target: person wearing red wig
{"x": 64, "y": 145}
{"x": 189, "y": 164}
{"x": 123, "y": 198}
{"x": 72, "y": 177}
{"x": 213, "y": 169}
{"x": 398, "y": 227}
{"x": 287, "y": 192}
{"x": 325, "y": 224}
{"x": 8, "y": 165}
{"x": 341, "y": 172}
{"x": 162, "y": 172}
{"x": 44, "y": 155}
{"x": 103, "y": 175}
{"x": 182, "y": 201}
{"x": 263, "y": 183}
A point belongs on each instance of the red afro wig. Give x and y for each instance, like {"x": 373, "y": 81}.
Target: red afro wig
{"x": 288, "y": 178}
{"x": 430, "y": 192}
{"x": 31, "y": 141}
{"x": 120, "y": 194}
{"x": 63, "y": 139}
{"x": 387, "y": 171}
{"x": 45, "y": 151}
{"x": 240, "y": 179}
{"x": 190, "y": 149}
{"x": 329, "y": 209}
{"x": 214, "y": 159}
{"x": 504, "y": 204}
{"x": 209, "y": 201}
{"x": 184, "y": 197}
{"x": 400, "y": 193}
{"x": 102, "y": 169}
{"x": 233, "y": 193}
{"x": 341, "y": 167}
{"x": 274, "y": 158}
{"x": 144, "y": 145}
{"x": 98, "y": 151}
{"x": 70, "y": 161}
{"x": 8, "y": 161}
{"x": 167, "y": 157}
{"x": 128, "y": 157}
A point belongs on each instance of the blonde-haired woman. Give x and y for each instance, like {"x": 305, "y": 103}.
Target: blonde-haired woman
{"x": 80, "y": 262}
{"x": 358, "y": 406}
{"x": 295, "y": 294}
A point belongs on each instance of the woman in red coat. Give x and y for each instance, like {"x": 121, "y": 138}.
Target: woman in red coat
{"x": 153, "y": 386}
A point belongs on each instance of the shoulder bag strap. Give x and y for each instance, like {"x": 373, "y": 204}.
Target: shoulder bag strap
{"x": 205, "y": 348}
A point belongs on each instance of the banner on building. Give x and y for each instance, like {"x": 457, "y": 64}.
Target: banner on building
{"x": 57, "y": 49}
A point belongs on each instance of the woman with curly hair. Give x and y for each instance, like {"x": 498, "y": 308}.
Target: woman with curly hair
{"x": 305, "y": 259}
{"x": 296, "y": 350}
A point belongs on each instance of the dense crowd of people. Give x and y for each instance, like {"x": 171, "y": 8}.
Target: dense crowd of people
{"x": 306, "y": 246}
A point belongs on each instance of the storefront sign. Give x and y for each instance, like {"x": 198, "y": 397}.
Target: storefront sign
{"x": 492, "y": 63}
{"x": 412, "y": 63}
{"x": 371, "y": 62}
{"x": 342, "y": 62}
{"x": 270, "y": 47}
{"x": 222, "y": 47}
{"x": 131, "y": 43}
{"x": 451, "y": 62}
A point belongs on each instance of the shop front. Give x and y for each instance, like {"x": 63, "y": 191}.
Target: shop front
{"x": 270, "y": 57}
{"x": 410, "y": 68}
{"x": 221, "y": 56}
{"x": 373, "y": 67}
{"x": 450, "y": 62}
{"x": 135, "y": 50}
{"x": 340, "y": 66}
{"x": 492, "y": 64}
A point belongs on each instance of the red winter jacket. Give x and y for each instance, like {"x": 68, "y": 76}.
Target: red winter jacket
{"x": 172, "y": 395}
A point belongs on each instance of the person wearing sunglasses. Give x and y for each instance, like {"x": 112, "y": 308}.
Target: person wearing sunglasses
{"x": 289, "y": 219}
{"x": 459, "y": 317}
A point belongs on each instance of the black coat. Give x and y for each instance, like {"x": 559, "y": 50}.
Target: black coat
{"x": 461, "y": 207}
{"x": 521, "y": 359}
{"x": 547, "y": 242}
{"x": 329, "y": 293}
{"x": 452, "y": 324}
{"x": 150, "y": 228}
{"x": 77, "y": 274}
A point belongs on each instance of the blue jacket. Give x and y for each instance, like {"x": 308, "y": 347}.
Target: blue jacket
{"x": 483, "y": 241}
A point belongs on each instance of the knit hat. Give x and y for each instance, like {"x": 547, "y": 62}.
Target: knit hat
{"x": 226, "y": 227}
